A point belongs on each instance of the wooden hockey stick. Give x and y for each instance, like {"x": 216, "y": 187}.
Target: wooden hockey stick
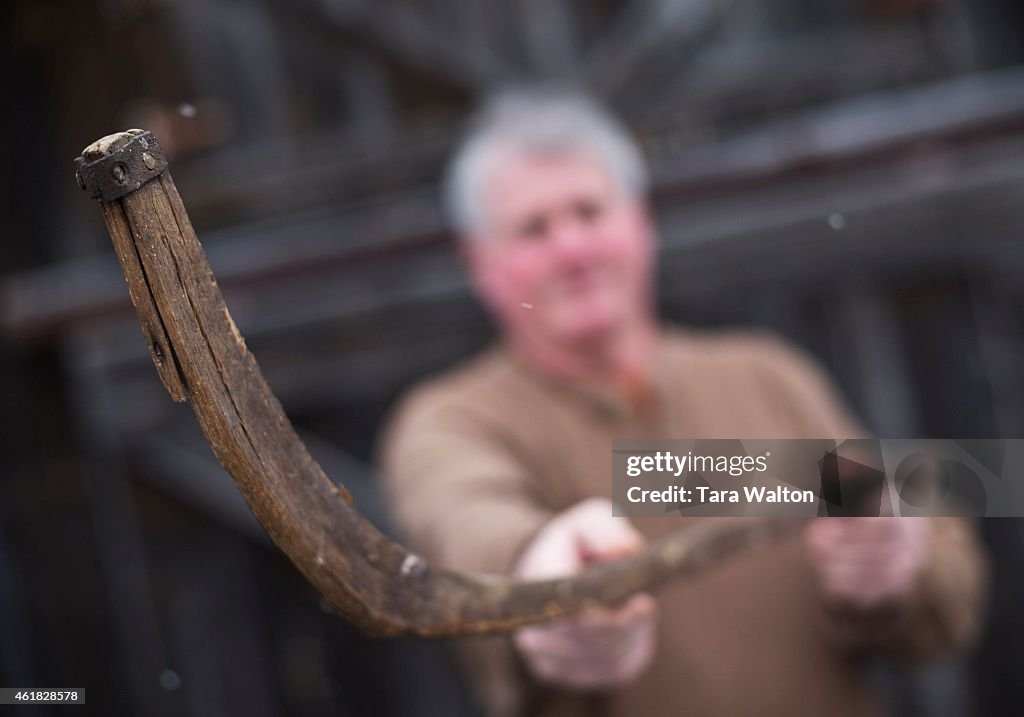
{"x": 373, "y": 581}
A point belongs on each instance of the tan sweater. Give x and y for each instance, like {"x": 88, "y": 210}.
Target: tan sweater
{"x": 476, "y": 461}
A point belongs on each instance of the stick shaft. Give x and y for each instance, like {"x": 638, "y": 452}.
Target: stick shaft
{"x": 373, "y": 581}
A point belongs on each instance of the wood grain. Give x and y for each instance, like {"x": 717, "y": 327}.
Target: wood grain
{"x": 371, "y": 580}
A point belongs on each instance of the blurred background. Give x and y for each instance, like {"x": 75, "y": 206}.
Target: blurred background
{"x": 849, "y": 173}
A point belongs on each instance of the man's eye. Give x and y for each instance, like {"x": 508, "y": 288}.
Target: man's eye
{"x": 533, "y": 229}
{"x": 588, "y": 210}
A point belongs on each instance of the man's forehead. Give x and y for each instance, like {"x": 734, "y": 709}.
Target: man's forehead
{"x": 514, "y": 161}
{"x": 524, "y": 178}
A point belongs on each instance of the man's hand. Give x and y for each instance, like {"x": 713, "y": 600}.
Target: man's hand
{"x": 868, "y": 562}
{"x": 599, "y": 648}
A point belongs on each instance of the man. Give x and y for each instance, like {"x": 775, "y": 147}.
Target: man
{"x": 503, "y": 465}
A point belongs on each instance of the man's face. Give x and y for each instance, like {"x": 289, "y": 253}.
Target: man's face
{"x": 565, "y": 254}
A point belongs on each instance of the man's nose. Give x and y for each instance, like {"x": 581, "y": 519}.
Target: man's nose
{"x": 572, "y": 239}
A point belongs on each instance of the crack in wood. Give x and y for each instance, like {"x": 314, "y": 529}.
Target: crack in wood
{"x": 366, "y": 577}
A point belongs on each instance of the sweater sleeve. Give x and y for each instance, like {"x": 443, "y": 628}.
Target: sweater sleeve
{"x": 943, "y": 611}
{"x": 463, "y": 498}
{"x": 456, "y": 487}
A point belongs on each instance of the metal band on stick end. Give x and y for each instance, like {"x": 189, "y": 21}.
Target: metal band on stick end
{"x": 119, "y": 163}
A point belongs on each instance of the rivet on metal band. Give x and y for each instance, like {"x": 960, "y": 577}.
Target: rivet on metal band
{"x": 123, "y": 170}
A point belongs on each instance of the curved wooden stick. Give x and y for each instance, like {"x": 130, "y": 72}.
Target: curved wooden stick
{"x": 374, "y": 582}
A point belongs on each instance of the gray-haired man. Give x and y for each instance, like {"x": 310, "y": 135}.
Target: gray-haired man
{"x": 503, "y": 465}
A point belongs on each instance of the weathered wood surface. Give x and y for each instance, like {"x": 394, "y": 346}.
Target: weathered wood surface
{"x": 374, "y": 582}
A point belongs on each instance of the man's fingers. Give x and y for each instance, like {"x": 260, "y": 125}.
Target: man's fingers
{"x": 866, "y": 586}
{"x": 586, "y": 668}
{"x": 640, "y": 653}
{"x": 638, "y": 608}
{"x": 599, "y": 625}
{"x": 585, "y": 533}
{"x": 865, "y": 539}
{"x": 599, "y": 647}
{"x": 600, "y": 536}
{"x": 551, "y": 555}
{"x": 867, "y": 561}
{"x": 609, "y": 634}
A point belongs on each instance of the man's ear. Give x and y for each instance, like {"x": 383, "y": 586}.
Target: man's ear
{"x": 467, "y": 248}
{"x": 645, "y": 217}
